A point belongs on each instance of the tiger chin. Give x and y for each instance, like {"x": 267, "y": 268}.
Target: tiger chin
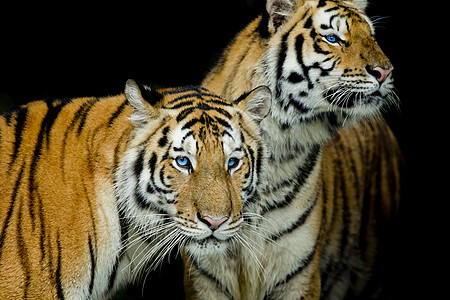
{"x": 95, "y": 192}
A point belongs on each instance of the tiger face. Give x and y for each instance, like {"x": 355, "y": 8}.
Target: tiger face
{"x": 195, "y": 161}
{"x": 328, "y": 60}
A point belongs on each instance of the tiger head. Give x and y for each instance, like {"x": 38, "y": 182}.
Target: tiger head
{"x": 322, "y": 60}
{"x": 193, "y": 163}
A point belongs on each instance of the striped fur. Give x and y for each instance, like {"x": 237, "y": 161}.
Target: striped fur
{"x": 94, "y": 192}
{"x": 320, "y": 223}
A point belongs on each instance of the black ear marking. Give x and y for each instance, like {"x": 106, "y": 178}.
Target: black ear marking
{"x": 150, "y": 94}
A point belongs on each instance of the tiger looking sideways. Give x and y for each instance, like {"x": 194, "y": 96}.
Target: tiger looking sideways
{"x": 95, "y": 191}
{"x": 322, "y": 220}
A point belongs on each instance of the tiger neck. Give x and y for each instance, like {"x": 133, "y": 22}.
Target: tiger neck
{"x": 292, "y": 152}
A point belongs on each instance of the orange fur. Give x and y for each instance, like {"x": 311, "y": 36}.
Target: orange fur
{"x": 75, "y": 222}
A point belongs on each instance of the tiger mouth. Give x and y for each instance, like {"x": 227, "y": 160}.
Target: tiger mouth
{"x": 349, "y": 99}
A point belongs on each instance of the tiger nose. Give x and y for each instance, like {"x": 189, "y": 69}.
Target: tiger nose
{"x": 213, "y": 223}
{"x": 379, "y": 73}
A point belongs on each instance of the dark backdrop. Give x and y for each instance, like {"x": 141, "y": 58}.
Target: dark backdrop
{"x": 75, "y": 49}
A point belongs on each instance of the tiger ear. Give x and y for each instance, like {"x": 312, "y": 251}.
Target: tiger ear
{"x": 142, "y": 100}
{"x": 256, "y": 102}
{"x": 279, "y": 12}
{"x": 359, "y": 4}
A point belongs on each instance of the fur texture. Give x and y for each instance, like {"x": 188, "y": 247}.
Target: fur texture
{"x": 95, "y": 192}
{"x": 320, "y": 223}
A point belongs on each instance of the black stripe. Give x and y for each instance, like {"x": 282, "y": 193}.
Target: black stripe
{"x": 93, "y": 265}
{"x": 242, "y": 97}
{"x": 152, "y": 165}
{"x": 218, "y": 101}
{"x": 59, "y": 288}
{"x": 141, "y": 201}
{"x": 54, "y": 109}
{"x": 332, "y": 18}
{"x": 184, "y": 113}
{"x": 10, "y": 210}
{"x": 206, "y": 107}
{"x": 259, "y": 159}
{"x": 202, "y": 106}
{"x": 82, "y": 114}
{"x": 332, "y": 8}
{"x": 280, "y": 63}
{"x": 124, "y": 230}
{"x": 300, "y": 221}
{"x": 139, "y": 164}
{"x": 320, "y": 50}
{"x": 162, "y": 179}
{"x": 23, "y": 253}
{"x": 117, "y": 113}
{"x": 75, "y": 118}
{"x": 297, "y": 104}
{"x": 112, "y": 276}
{"x": 137, "y": 170}
{"x": 249, "y": 188}
{"x": 190, "y": 123}
{"x": 300, "y": 177}
{"x": 185, "y": 103}
{"x": 222, "y": 287}
{"x": 298, "y": 49}
{"x": 190, "y": 133}
{"x": 184, "y": 89}
{"x": 20, "y": 123}
{"x": 44, "y": 133}
{"x": 304, "y": 263}
{"x": 223, "y": 122}
{"x": 194, "y": 95}
{"x": 163, "y": 140}
{"x": 346, "y": 206}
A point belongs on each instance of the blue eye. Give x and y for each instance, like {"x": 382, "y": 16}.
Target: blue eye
{"x": 233, "y": 163}
{"x": 183, "y": 162}
{"x": 332, "y": 38}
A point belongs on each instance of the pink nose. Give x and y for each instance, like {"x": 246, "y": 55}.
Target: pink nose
{"x": 213, "y": 224}
{"x": 379, "y": 73}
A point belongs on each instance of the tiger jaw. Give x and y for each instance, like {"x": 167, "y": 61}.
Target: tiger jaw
{"x": 349, "y": 99}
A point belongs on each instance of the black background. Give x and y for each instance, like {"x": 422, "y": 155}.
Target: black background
{"x": 75, "y": 49}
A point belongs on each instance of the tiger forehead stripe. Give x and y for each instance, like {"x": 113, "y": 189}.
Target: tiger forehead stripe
{"x": 191, "y": 98}
{"x": 192, "y": 106}
{"x": 192, "y": 93}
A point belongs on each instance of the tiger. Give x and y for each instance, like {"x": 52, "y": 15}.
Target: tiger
{"x": 321, "y": 224}
{"x": 95, "y": 192}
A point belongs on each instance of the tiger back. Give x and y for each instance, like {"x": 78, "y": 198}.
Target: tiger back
{"x": 90, "y": 188}
{"x": 334, "y": 169}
